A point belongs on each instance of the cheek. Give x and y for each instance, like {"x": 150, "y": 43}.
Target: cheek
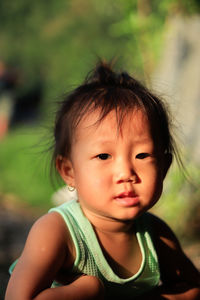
{"x": 99, "y": 181}
{"x": 87, "y": 177}
{"x": 152, "y": 179}
{"x": 156, "y": 186}
{"x": 148, "y": 171}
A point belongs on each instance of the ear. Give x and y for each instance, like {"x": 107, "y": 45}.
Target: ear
{"x": 66, "y": 171}
{"x": 167, "y": 163}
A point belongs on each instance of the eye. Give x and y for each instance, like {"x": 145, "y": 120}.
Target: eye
{"x": 103, "y": 156}
{"x": 142, "y": 155}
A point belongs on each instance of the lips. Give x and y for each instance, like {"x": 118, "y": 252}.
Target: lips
{"x": 127, "y": 199}
{"x": 126, "y": 194}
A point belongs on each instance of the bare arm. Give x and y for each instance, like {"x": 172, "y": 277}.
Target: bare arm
{"x": 45, "y": 253}
{"x": 180, "y": 278}
{"x": 83, "y": 288}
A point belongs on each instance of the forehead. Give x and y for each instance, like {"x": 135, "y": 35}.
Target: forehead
{"x": 113, "y": 125}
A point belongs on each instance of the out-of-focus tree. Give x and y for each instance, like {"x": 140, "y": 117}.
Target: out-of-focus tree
{"x": 60, "y": 40}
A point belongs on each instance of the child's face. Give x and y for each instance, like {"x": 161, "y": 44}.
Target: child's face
{"x": 116, "y": 172}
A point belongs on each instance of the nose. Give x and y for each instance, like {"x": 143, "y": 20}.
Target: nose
{"x": 125, "y": 172}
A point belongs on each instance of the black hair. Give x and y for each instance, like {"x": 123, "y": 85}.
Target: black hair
{"x": 106, "y": 90}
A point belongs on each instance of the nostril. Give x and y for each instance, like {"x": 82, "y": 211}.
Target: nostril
{"x": 132, "y": 179}
{"x": 120, "y": 181}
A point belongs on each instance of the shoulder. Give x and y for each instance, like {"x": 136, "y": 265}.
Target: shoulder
{"x": 175, "y": 266}
{"x": 45, "y": 253}
{"x": 47, "y": 244}
{"x": 162, "y": 231}
{"x": 49, "y": 230}
{"x": 50, "y": 222}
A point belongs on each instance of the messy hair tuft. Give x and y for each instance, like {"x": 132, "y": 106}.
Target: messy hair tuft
{"x": 106, "y": 90}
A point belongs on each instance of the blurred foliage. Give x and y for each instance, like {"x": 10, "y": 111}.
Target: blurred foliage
{"x": 57, "y": 43}
{"x": 25, "y": 168}
{"x": 180, "y": 202}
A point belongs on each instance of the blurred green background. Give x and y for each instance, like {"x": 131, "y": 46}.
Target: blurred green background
{"x": 52, "y": 45}
{"x": 46, "y": 49}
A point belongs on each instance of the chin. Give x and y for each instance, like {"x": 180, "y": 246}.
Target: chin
{"x": 127, "y": 217}
{"x": 132, "y": 215}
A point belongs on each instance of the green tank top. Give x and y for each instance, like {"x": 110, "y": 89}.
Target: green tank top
{"x": 91, "y": 261}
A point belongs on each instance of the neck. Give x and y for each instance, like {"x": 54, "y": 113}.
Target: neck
{"x": 109, "y": 225}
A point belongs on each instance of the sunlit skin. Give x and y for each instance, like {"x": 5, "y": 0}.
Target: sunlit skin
{"x": 118, "y": 176}
{"x": 117, "y": 173}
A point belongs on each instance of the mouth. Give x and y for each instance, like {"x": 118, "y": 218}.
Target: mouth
{"x": 127, "y": 199}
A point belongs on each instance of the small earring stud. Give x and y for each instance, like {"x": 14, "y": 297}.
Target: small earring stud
{"x": 70, "y": 188}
